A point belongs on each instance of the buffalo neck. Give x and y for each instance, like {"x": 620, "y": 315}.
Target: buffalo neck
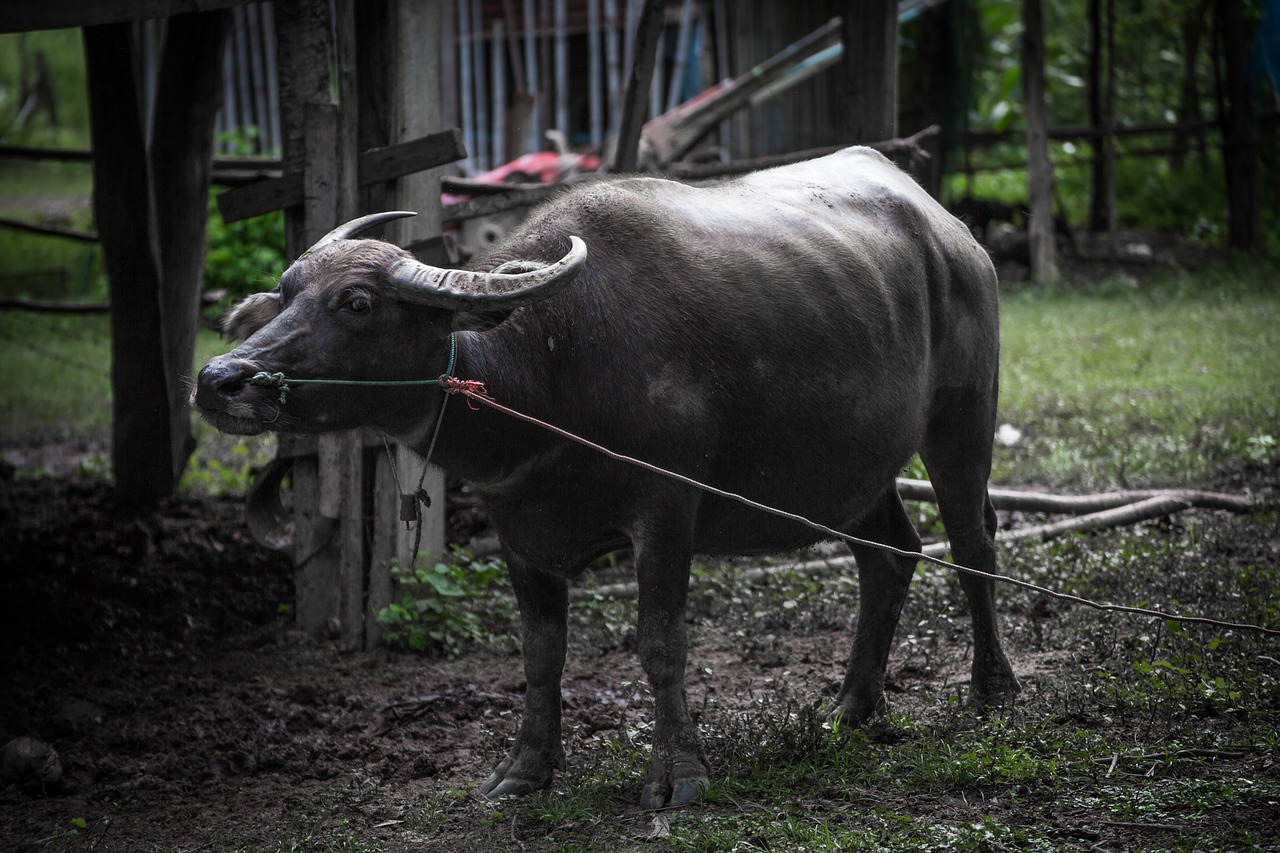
{"x": 475, "y": 442}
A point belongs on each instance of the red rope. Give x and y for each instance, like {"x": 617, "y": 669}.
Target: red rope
{"x": 472, "y": 389}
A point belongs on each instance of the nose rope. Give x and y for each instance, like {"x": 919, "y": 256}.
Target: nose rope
{"x": 411, "y": 503}
{"x": 267, "y": 379}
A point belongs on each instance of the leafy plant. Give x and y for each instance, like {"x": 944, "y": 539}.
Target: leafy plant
{"x": 230, "y": 476}
{"x": 243, "y": 257}
{"x": 448, "y": 606}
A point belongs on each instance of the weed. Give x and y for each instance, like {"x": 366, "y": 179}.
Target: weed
{"x": 447, "y": 607}
{"x": 210, "y": 475}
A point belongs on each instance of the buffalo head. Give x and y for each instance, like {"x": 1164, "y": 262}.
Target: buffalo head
{"x": 357, "y": 310}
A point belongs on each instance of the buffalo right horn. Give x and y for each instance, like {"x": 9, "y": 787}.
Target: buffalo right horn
{"x": 460, "y": 290}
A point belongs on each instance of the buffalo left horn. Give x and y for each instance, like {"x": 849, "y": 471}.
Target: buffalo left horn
{"x": 460, "y": 290}
{"x": 355, "y": 226}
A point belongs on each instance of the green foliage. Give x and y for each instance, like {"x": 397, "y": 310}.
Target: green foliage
{"x": 231, "y": 470}
{"x": 244, "y": 257}
{"x": 447, "y": 607}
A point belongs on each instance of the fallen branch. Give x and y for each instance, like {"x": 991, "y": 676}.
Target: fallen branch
{"x": 922, "y": 490}
{"x": 1133, "y": 513}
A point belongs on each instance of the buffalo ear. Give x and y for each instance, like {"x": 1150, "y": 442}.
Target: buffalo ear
{"x": 249, "y": 315}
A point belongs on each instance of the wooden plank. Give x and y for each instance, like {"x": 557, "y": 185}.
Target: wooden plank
{"x": 351, "y": 560}
{"x": 386, "y": 521}
{"x": 320, "y": 172}
{"x": 49, "y": 230}
{"x": 476, "y": 207}
{"x": 260, "y": 197}
{"x": 329, "y": 483}
{"x": 140, "y": 423}
{"x": 315, "y": 552}
{"x": 20, "y": 16}
{"x": 433, "y": 521}
{"x": 867, "y": 88}
{"x": 351, "y": 463}
{"x": 413, "y": 155}
{"x": 376, "y": 165}
{"x": 439, "y": 251}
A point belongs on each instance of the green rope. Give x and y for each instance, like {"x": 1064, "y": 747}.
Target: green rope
{"x": 279, "y": 380}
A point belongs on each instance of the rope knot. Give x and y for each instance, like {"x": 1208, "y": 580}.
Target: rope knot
{"x": 271, "y": 380}
{"x": 469, "y": 388}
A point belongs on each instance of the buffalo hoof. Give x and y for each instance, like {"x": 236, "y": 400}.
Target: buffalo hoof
{"x": 495, "y": 787}
{"x": 996, "y": 687}
{"x": 853, "y": 710}
{"x": 519, "y": 775}
{"x": 673, "y": 784}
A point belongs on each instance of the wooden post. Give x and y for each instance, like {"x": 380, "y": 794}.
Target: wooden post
{"x": 140, "y": 423}
{"x": 639, "y": 81}
{"x": 388, "y": 88}
{"x": 302, "y": 28}
{"x": 867, "y": 97}
{"x": 402, "y": 74}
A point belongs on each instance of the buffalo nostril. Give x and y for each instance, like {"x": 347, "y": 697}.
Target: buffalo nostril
{"x": 220, "y": 382}
{"x": 230, "y": 385}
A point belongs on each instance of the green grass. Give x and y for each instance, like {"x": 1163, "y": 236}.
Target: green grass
{"x": 60, "y": 373}
{"x": 60, "y": 391}
{"x": 1158, "y": 383}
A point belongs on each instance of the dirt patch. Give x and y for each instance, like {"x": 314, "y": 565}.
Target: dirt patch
{"x": 153, "y": 654}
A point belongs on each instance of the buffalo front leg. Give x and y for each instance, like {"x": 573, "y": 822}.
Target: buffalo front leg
{"x": 678, "y": 772}
{"x": 537, "y": 752}
{"x": 883, "y": 580}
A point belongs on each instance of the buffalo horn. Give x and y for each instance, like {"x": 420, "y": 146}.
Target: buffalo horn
{"x": 355, "y": 226}
{"x": 460, "y": 290}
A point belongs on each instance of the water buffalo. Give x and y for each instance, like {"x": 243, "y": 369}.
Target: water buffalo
{"x": 794, "y": 336}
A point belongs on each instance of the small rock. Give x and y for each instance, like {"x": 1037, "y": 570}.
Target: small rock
{"x": 27, "y": 761}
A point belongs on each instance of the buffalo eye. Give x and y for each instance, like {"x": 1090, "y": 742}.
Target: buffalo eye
{"x": 357, "y": 303}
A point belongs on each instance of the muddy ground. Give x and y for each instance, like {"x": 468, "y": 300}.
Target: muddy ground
{"x": 154, "y": 654}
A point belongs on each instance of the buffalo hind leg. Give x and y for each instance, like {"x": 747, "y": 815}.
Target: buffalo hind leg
{"x": 678, "y": 772}
{"x": 537, "y": 752}
{"x": 958, "y": 466}
{"x": 883, "y": 579}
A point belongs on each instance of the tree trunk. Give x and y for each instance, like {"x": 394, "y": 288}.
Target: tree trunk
{"x": 1044, "y": 268}
{"x": 947, "y": 33}
{"x": 866, "y": 96}
{"x": 187, "y": 100}
{"x": 1239, "y": 133}
{"x": 1101, "y": 73}
{"x": 141, "y": 420}
{"x": 1189, "y": 93}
